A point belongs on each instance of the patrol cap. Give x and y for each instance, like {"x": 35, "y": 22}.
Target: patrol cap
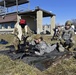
{"x": 37, "y": 36}
{"x": 68, "y": 23}
{"x": 22, "y": 22}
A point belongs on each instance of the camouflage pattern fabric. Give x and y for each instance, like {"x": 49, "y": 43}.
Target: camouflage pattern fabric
{"x": 43, "y": 48}
{"x": 16, "y": 43}
{"x": 66, "y": 38}
{"x": 25, "y": 35}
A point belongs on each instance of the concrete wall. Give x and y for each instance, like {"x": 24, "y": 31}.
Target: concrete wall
{"x": 39, "y": 21}
{"x": 52, "y": 25}
{"x": 31, "y": 22}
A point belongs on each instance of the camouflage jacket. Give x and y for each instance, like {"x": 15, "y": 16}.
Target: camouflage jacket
{"x": 66, "y": 34}
{"x": 19, "y": 32}
{"x": 43, "y": 47}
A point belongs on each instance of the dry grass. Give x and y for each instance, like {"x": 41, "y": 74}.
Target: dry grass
{"x": 66, "y": 67}
{"x": 9, "y": 67}
{"x": 7, "y": 37}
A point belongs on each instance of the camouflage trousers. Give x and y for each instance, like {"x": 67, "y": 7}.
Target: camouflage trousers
{"x": 16, "y": 43}
{"x": 68, "y": 45}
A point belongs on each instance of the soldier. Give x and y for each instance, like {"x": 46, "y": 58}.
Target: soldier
{"x": 57, "y": 31}
{"x": 21, "y": 32}
{"x": 66, "y": 37}
{"x": 41, "y": 47}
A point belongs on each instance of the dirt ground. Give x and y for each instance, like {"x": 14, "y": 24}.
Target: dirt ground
{"x": 17, "y": 67}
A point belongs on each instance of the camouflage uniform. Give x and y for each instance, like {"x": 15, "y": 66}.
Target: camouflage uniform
{"x": 66, "y": 37}
{"x": 16, "y": 41}
{"x": 43, "y": 47}
{"x": 21, "y": 34}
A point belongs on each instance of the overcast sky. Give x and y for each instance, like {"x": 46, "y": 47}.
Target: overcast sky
{"x": 64, "y": 9}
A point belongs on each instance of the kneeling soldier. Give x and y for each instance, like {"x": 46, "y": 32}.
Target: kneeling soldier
{"x": 21, "y": 34}
{"x": 66, "y": 37}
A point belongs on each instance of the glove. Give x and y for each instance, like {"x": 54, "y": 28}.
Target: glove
{"x": 62, "y": 41}
{"x": 67, "y": 42}
{"x": 73, "y": 40}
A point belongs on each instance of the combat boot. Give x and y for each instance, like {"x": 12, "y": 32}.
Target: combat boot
{"x": 71, "y": 49}
{"x": 61, "y": 48}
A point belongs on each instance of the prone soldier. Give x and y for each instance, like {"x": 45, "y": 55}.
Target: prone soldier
{"x": 40, "y": 46}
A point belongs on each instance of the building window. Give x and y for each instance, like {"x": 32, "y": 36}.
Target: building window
{"x": 0, "y": 26}
{"x": 12, "y": 24}
{"x": 5, "y": 25}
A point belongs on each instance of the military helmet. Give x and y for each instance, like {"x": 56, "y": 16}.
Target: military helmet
{"x": 37, "y": 36}
{"x": 68, "y": 23}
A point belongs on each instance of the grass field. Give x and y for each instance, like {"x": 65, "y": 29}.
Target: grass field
{"x": 17, "y": 67}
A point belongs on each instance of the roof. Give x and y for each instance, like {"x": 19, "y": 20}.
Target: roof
{"x": 10, "y": 3}
{"x": 33, "y": 13}
{"x": 9, "y": 18}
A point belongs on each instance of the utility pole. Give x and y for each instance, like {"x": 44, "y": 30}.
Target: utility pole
{"x": 5, "y": 7}
{"x": 17, "y": 5}
{"x": 29, "y": 5}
